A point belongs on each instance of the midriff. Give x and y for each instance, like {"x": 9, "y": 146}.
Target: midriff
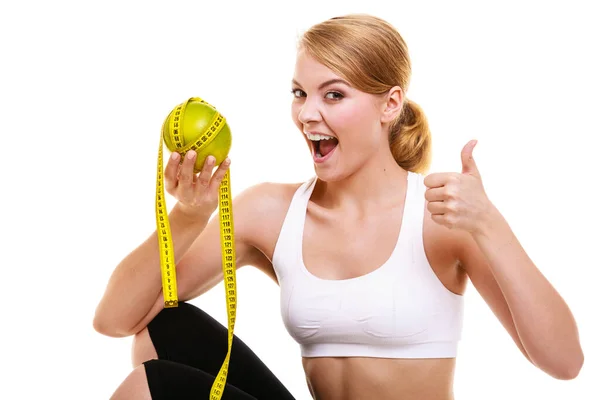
{"x": 357, "y": 378}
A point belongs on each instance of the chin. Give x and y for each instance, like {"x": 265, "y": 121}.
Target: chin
{"x": 331, "y": 174}
{"x": 327, "y": 176}
{"x": 339, "y": 171}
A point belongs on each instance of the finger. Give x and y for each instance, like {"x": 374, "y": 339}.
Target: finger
{"x": 436, "y": 207}
{"x": 204, "y": 176}
{"x": 436, "y": 194}
{"x": 171, "y": 170}
{"x": 466, "y": 155}
{"x": 441, "y": 219}
{"x": 438, "y": 179}
{"x": 186, "y": 172}
{"x": 219, "y": 174}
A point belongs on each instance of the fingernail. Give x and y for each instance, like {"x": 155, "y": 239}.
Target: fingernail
{"x": 191, "y": 154}
{"x": 174, "y": 156}
{"x": 211, "y": 159}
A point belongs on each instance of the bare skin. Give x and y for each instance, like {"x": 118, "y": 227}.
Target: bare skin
{"x": 360, "y": 193}
{"x": 359, "y": 378}
{"x": 337, "y": 378}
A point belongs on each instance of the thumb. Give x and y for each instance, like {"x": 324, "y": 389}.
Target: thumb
{"x": 468, "y": 163}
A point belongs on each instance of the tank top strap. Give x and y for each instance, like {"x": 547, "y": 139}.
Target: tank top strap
{"x": 413, "y": 209}
{"x": 287, "y": 248}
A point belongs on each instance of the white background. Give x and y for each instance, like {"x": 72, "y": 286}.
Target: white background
{"x": 84, "y": 89}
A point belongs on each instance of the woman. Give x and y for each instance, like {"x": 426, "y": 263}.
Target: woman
{"x": 381, "y": 317}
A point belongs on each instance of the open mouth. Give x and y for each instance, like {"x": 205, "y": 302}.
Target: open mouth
{"x": 322, "y": 145}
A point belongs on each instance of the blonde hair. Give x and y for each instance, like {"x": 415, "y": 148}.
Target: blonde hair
{"x": 370, "y": 53}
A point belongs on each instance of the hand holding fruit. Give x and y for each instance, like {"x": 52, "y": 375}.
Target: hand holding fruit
{"x": 198, "y": 194}
{"x": 198, "y": 133}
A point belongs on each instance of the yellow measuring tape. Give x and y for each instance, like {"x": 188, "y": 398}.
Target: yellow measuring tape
{"x": 165, "y": 243}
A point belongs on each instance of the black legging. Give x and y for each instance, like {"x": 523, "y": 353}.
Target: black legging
{"x": 191, "y": 347}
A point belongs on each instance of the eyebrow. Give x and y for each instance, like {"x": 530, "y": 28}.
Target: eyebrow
{"x": 326, "y": 83}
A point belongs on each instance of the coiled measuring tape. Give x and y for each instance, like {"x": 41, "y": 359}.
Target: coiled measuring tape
{"x": 167, "y": 256}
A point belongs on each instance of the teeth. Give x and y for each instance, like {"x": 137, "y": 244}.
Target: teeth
{"x": 318, "y": 137}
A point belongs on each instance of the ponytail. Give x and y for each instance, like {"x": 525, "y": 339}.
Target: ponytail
{"x": 410, "y": 139}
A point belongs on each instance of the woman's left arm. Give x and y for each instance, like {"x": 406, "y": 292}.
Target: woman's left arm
{"x": 502, "y": 271}
{"x": 545, "y": 325}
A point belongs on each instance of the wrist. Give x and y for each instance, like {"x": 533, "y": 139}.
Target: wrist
{"x": 190, "y": 214}
{"x": 489, "y": 221}
{"x": 493, "y": 233}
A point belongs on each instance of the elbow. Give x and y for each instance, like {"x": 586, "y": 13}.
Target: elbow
{"x": 565, "y": 369}
{"x": 105, "y": 329}
{"x": 570, "y": 370}
{"x": 103, "y": 326}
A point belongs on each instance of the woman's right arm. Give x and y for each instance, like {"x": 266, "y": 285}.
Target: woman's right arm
{"x": 133, "y": 295}
{"x": 135, "y": 284}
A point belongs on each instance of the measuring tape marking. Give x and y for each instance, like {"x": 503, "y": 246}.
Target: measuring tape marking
{"x": 228, "y": 258}
{"x": 167, "y": 257}
{"x": 165, "y": 243}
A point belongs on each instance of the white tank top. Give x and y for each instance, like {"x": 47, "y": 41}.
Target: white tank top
{"x": 399, "y": 310}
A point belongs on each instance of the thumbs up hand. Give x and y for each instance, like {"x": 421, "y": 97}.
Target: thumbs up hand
{"x": 458, "y": 200}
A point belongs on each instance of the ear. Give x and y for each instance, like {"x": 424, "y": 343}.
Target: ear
{"x": 392, "y": 105}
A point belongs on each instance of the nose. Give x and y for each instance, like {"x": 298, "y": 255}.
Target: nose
{"x": 309, "y": 112}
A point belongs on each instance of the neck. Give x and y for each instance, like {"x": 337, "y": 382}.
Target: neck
{"x": 380, "y": 182}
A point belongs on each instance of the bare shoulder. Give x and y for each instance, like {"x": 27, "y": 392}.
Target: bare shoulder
{"x": 259, "y": 214}
{"x": 262, "y": 205}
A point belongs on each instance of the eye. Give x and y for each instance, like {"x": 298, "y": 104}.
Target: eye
{"x": 329, "y": 95}
{"x": 336, "y": 95}
{"x": 297, "y": 93}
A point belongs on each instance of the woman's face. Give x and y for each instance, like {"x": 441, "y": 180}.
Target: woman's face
{"x": 341, "y": 125}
